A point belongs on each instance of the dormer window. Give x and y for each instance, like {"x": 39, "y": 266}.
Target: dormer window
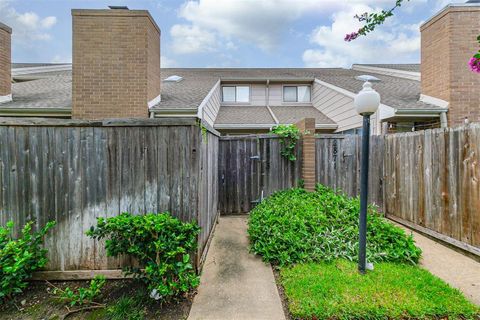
{"x": 236, "y": 94}
{"x": 296, "y": 94}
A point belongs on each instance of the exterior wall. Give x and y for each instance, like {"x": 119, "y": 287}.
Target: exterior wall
{"x": 115, "y": 63}
{"x": 5, "y": 60}
{"x": 448, "y": 42}
{"x": 211, "y": 107}
{"x": 153, "y": 62}
{"x": 339, "y": 107}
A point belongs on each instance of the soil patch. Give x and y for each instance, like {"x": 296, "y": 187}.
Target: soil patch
{"x": 39, "y": 302}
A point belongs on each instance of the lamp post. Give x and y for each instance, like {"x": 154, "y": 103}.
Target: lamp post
{"x": 366, "y": 103}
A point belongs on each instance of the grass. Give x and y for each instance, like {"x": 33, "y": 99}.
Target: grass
{"x": 336, "y": 290}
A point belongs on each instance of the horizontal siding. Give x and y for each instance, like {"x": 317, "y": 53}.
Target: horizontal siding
{"x": 258, "y": 94}
{"x": 339, "y": 108}
{"x": 211, "y": 108}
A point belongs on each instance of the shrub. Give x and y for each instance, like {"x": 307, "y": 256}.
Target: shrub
{"x": 19, "y": 258}
{"x": 82, "y": 296}
{"x": 160, "y": 243}
{"x": 296, "y": 226}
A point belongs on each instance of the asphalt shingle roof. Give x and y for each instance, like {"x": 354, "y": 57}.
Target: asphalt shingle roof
{"x": 244, "y": 115}
{"x": 293, "y": 114}
{"x": 53, "y": 89}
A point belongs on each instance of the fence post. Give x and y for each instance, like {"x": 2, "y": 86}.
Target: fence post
{"x": 307, "y": 130}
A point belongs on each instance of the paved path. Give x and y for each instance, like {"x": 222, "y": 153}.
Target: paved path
{"x": 235, "y": 284}
{"x": 458, "y": 270}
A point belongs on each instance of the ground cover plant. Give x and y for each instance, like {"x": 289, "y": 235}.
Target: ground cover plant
{"x": 160, "y": 243}
{"x": 296, "y": 226}
{"x": 20, "y": 257}
{"x": 336, "y": 290}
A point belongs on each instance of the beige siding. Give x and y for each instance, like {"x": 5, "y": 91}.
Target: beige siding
{"x": 258, "y": 94}
{"x": 338, "y": 107}
{"x": 275, "y": 94}
{"x": 211, "y": 106}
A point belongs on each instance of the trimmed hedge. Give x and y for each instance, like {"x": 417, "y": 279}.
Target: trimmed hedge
{"x": 296, "y": 226}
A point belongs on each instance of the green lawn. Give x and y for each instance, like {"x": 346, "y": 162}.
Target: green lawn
{"x": 392, "y": 291}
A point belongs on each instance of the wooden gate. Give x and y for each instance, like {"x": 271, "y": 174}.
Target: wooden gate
{"x": 252, "y": 167}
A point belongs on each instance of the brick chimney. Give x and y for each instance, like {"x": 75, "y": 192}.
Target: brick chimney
{"x": 5, "y": 63}
{"x": 116, "y": 63}
{"x": 449, "y": 40}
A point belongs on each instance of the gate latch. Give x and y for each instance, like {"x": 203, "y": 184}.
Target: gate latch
{"x": 255, "y": 157}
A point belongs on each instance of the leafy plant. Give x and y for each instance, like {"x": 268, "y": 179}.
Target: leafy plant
{"x": 289, "y": 135}
{"x": 295, "y": 226}
{"x": 19, "y": 258}
{"x": 82, "y": 296}
{"x": 161, "y": 244}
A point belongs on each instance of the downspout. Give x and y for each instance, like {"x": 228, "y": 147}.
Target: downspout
{"x": 267, "y": 93}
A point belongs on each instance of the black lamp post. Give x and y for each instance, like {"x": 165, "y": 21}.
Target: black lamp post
{"x": 366, "y": 102}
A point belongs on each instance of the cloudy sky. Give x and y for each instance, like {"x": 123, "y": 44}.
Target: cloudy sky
{"x": 235, "y": 33}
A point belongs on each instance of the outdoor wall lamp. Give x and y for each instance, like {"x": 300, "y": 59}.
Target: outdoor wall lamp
{"x": 366, "y": 103}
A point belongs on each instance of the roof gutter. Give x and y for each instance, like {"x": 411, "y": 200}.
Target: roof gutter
{"x": 174, "y": 112}
{"x": 35, "y": 112}
{"x": 326, "y": 126}
{"x": 420, "y": 111}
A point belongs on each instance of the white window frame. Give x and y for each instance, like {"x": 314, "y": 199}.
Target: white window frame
{"x": 235, "y": 102}
{"x": 296, "y": 85}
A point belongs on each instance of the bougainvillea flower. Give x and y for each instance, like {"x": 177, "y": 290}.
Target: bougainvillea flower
{"x": 351, "y": 36}
{"x": 475, "y": 64}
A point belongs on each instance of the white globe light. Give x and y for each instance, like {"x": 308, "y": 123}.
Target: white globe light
{"x": 367, "y": 100}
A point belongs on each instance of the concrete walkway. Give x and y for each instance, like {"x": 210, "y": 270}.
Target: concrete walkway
{"x": 235, "y": 284}
{"x": 456, "y": 269}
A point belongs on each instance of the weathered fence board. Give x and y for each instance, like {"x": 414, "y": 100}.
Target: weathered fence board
{"x": 251, "y": 167}
{"x": 338, "y": 164}
{"x": 74, "y": 174}
{"x": 432, "y": 180}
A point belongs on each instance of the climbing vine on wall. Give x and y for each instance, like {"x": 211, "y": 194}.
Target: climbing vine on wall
{"x": 289, "y": 134}
{"x": 373, "y": 19}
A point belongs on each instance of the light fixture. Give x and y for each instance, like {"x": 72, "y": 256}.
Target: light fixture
{"x": 367, "y": 100}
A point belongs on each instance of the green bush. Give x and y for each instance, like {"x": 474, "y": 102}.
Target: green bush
{"x": 19, "y": 258}
{"x": 160, "y": 243}
{"x": 296, "y": 226}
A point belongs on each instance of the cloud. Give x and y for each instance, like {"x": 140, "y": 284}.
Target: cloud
{"x": 260, "y": 22}
{"x": 27, "y": 26}
{"x": 166, "y": 62}
{"x": 192, "y": 39}
{"x": 393, "y": 41}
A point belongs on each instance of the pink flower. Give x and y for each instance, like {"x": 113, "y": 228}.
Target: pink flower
{"x": 351, "y": 36}
{"x": 475, "y": 64}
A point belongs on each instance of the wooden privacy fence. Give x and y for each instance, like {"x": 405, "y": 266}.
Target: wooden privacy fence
{"x": 75, "y": 171}
{"x": 250, "y": 168}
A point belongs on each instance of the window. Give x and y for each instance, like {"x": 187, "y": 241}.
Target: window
{"x": 236, "y": 94}
{"x": 296, "y": 93}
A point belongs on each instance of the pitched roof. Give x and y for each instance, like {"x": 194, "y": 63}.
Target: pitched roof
{"x": 53, "y": 89}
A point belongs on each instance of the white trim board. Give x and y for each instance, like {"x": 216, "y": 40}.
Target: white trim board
{"x": 411, "y": 75}
{"x": 435, "y": 101}
{"x": 32, "y": 70}
{"x": 7, "y": 98}
{"x": 154, "y": 101}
